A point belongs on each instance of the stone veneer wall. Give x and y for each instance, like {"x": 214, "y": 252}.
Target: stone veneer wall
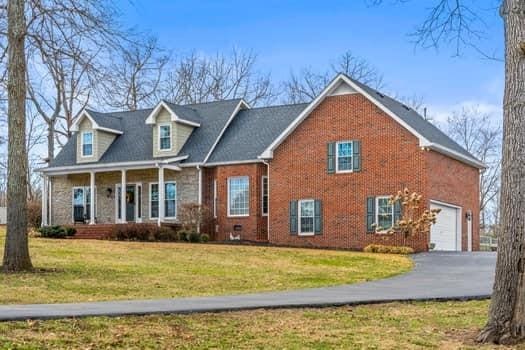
{"x": 62, "y": 192}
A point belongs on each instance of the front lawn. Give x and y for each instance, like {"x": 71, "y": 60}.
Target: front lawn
{"x": 83, "y": 270}
{"x": 450, "y": 325}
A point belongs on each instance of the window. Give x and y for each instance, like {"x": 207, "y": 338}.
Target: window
{"x": 165, "y": 137}
{"x": 264, "y": 195}
{"x": 306, "y": 217}
{"x": 170, "y": 200}
{"x": 238, "y": 196}
{"x": 384, "y": 213}
{"x": 87, "y": 144}
{"x": 344, "y": 156}
{"x": 214, "y": 198}
{"x": 154, "y": 201}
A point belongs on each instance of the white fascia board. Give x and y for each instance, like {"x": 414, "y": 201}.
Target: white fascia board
{"x": 95, "y": 125}
{"x": 455, "y": 155}
{"x": 174, "y": 118}
{"x": 340, "y": 78}
{"x": 73, "y": 169}
{"x": 240, "y": 106}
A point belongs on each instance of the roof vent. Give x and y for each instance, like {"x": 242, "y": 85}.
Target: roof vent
{"x": 405, "y": 106}
{"x": 380, "y": 94}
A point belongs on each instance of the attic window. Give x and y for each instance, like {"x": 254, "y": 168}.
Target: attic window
{"x": 87, "y": 144}
{"x": 165, "y": 137}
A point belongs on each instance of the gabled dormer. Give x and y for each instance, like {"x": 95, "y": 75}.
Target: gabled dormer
{"x": 95, "y": 132}
{"x": 172, "y": 125}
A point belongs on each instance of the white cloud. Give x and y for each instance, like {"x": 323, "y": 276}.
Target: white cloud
{"x": 440, "y": 113}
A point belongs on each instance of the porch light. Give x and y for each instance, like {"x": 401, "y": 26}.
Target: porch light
{"x": 109, "y": 191}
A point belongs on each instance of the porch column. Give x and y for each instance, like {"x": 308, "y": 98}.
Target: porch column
{"x": 92, "y": 198}
{"x": 123, "y": 197}
{"x": 161, "y": 194}
{"x": 44, "y": 200}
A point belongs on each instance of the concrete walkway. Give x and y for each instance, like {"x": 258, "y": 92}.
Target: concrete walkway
{"x": 435, "y": 276}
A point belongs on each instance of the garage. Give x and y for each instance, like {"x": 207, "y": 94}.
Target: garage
{"x": 445, "y": 234}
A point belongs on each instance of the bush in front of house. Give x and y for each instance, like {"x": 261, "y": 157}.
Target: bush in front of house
{"x": 387, "y": 249}
{"x": 205, "y": 238}
{"x": 143, "y": 233}
{"x": 56, "y": 231}
{"x": 34, "y": 214}
{"x": 194, "y": 237}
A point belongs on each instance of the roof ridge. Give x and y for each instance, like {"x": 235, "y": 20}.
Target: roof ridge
{"x": 281, "y": 105}
{"x": 208, "y": 102}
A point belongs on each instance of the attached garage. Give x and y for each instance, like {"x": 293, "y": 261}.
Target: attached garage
{"x": 446, "y": 233}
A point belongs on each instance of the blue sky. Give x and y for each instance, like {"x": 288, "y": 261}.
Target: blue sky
{"x": 289, "y": 35}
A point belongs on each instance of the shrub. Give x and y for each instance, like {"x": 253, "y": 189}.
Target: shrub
{"x": 193, "y": 215}
{"x": 143, "y": 233}
{"x": 194, "y": 237}
{"x": 205, "y": 238}
{"x": 34, "y": 214}
{"x": 53, "y": 232}
{"x": 70, "y": 231}
{"x": 183, "y": 235}
{"x": 387, "y": 249}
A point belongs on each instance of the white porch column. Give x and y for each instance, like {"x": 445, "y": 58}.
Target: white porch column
{"x": 44, "y": 200}
{"x": 92, "y": 198}
{"x": 123, "y": 197}
{"x": 161, "y": 194}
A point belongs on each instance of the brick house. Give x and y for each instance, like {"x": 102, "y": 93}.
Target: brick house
{"x": 316, "y": 174}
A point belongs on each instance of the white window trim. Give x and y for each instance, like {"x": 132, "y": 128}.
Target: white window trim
{"x": 238, "y": 215}
{"x": 215, "y": 198}
{"x": 159, "y": 137}
{"x": 176, "y": 200}
{"x": 377, "y": 214}
{"x": 85, "y": 200}
{"x": 351, "y": 170}
{"x": 299, "y": 231}
{"x": 264, "y": 177}
{"x": 117, "y": 198}
{"x": 82, "y": 144}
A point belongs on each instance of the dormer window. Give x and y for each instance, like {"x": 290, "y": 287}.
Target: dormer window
{"x": 165, "y": 137}
{"x": 87, "y": 144}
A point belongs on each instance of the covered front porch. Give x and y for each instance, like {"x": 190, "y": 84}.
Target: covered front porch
{"x": 95, "y": 196}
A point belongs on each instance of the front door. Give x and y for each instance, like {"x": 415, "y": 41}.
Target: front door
{"x": 130, "y": 203}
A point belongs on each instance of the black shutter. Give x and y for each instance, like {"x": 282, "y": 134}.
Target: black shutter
{"x": 293, "y": 217}
{"x": 318, "y": 217}
{"x": 331, "y": 158}
{"x": 370, "y": 214}
{"x": 397, "y": 212}
{"x": 356, "y": 157}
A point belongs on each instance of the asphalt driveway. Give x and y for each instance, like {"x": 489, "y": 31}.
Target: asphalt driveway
{"x": 435, "y": 276}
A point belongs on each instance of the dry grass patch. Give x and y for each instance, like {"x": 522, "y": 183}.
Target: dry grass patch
{"x": 450, "y": 325}
{"x": 83, "y": 270}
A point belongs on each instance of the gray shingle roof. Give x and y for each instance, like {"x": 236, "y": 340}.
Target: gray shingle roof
{"x": 415, "y": 120}
{"x": 252, "y": 131}
{"x": 106, "y": 120}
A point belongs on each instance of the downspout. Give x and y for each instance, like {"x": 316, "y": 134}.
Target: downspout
{"x": 268, "y": 215}
{"x": 199, "y": 200}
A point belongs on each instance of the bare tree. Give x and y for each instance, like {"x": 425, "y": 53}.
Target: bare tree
{"x": 16, "y": 252}
{"x": 133, "y": 80}
{"x": 196, "y": 79}
{"x": 459, "y": 22}
{"x": 307, "y": 84}
{"x": 478, "y": 134}
{"x": 35, "y": 136}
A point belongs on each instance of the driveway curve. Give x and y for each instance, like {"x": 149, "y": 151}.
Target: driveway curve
{"x": 436, "y": 276}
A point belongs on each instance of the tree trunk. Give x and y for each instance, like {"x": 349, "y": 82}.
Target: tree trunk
{"x": 506, "y": 322}
{"x": 51, "y": 139}
{"x": 16, "y": 253}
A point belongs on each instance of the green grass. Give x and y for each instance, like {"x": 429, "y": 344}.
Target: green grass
{"x": 82, "y": 270}
{"x": 447, "y": 325}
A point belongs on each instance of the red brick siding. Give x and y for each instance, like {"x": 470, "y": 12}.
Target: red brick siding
{"x": 391, "y": 160}
{"x": 254, "y": 226}
{"x": 456, "y": 183}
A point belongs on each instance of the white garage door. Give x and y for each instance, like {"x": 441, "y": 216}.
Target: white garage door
{"x": 445, "y": 233}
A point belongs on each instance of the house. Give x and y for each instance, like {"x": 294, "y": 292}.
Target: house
{"x": 316, "y": 174}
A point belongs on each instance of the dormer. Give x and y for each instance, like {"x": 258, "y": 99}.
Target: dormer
{"x": 172, "y": 125}
{"x": 95, "y": 132}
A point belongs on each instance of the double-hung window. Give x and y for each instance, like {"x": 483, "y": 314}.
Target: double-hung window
{"x": 170, "y": 200}
{"x": 264, "y": 195}
{"x": 238, "y": 196}
{"x": 384, "y": 213}
{"x": 306, "y": 217}
{"x": 165, "y": 137}
{"x": 87, "y": 144}
{"x": 344, "y": 161}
